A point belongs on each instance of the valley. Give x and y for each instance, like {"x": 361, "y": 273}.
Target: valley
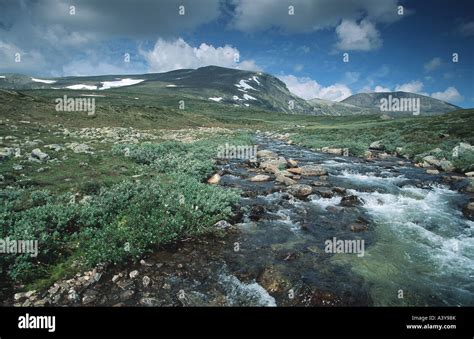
{"x": 141, "y": 204}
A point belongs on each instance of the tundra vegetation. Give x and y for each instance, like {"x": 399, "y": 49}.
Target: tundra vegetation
{"x": 110, "y": 187}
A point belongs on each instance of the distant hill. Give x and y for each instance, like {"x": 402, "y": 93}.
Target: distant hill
{"x": 334, "y": 108}
{"x": 372, "y": 101}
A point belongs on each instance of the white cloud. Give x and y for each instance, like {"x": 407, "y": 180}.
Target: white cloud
{"x": 178, "y": 54}
{"x": 308, "y": 88}
{"x": 432, "y": 64}
{"x": 451, "y": 94}
{"x": 357, "y": 37}
{"x": 379, "y": 89}
{"x": 415, "y": 86}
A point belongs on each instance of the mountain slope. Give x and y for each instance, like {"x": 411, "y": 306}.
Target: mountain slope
{"x": 217, "y": 85}
{"x": 334, "y": 108}
{"x": 372, "y": 101}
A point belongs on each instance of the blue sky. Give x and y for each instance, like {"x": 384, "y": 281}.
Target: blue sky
{"x": 387, "y": 51}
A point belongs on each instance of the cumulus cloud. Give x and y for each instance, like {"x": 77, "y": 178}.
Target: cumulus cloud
{"x": 432, "y": 64}
{"x": 309, "y": 15}
{"x": 451, "y": 94}
{"x": 47, "y": 32}
{"x": 415, "y": 86}
{"x": 379, "y": 89}
{"x": 178, "y": 54}
{"x": 308, "y": 88}
{"x": 355, "y": 36}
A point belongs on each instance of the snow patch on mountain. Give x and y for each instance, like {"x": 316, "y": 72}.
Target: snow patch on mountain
{"x": 43, "y": 81}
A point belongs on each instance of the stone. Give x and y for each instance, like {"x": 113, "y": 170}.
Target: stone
{"x": 292, "y": 163}
{"x": 125, "y": 284}
{"x": 336, "y": 151}
{"x": 320, "y": 183}
{"x": 324, "y": 192}
{"x": 295, "y": 170}
{"x": 214, "y": 180}
{"x": 80, "y": 148}
{"x": 144, "y": 263}
{"x": 468, "y": 210}
{"x": 222, "y": 224}
{"x": 149, "y": 302}
{"x": 146, "y": 281}
{"x": 284, "y": 180}
{"x": 89, "y": 296}
{"x": 272, "y": 280}
{"x": 313, "y": 170}
{"x": 340, "y": 190}
{"x": 273, "y": 165}
{"x": 377, "y": 145}
{"x": 266, "y": 154}
{"x": 300, "y": 190}
{"x": 19, "y": 296}
{"x": 126, "y": 295}
{"x": 37, "y": 154}
{"x": 115, "y": 278}
{"x": 72, "y": 295}
{"x": 351, "y": 200}
{"x": 133, "y": 274}
{"x": 469, "y": 174}
{"x": 358, "y": 228}
{"x": 30, "y": 293}
{"x": 260, "y": 178}
{"x": 432, "y": 171}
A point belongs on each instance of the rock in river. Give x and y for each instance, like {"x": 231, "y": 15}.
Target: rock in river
{"x": 313, "y": 170}
{"x": 300, "y": 190}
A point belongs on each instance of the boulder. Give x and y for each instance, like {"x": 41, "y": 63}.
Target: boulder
{"x": 222, "y": 224}
{"x": 284, "y": 180}
{"x": 377, "y": 145}
{"x": 37, "y": 154}
{"x": 300, "y": 190}
{"x": 432, "y": 171}
{"x": 336, "y": 151}
{"x": 324, "y": 192}
{"x": 273, "y": 165}
{"x": 351, "y": 200}
{"x": 468, "y": 210}
{"x": 260, "y": 178}
{"x": 469, "y": 174}
{"x": 358, "y": 227}
{"x": 313, "y": 170}
{"x": 292, "y": 163}
{"x": 295, "y": 170}
{"x": 133, "y": 274}
{"x": 146, "y": 281}
{"x": 215, "y": 179}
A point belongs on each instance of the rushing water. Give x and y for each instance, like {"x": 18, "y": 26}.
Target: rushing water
{"x": 419, "y": 249}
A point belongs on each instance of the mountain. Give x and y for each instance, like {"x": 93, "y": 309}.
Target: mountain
{"x": 373, "y": 101}
{"x": 334, "y": 108}
{"x": 215, "y": 85}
